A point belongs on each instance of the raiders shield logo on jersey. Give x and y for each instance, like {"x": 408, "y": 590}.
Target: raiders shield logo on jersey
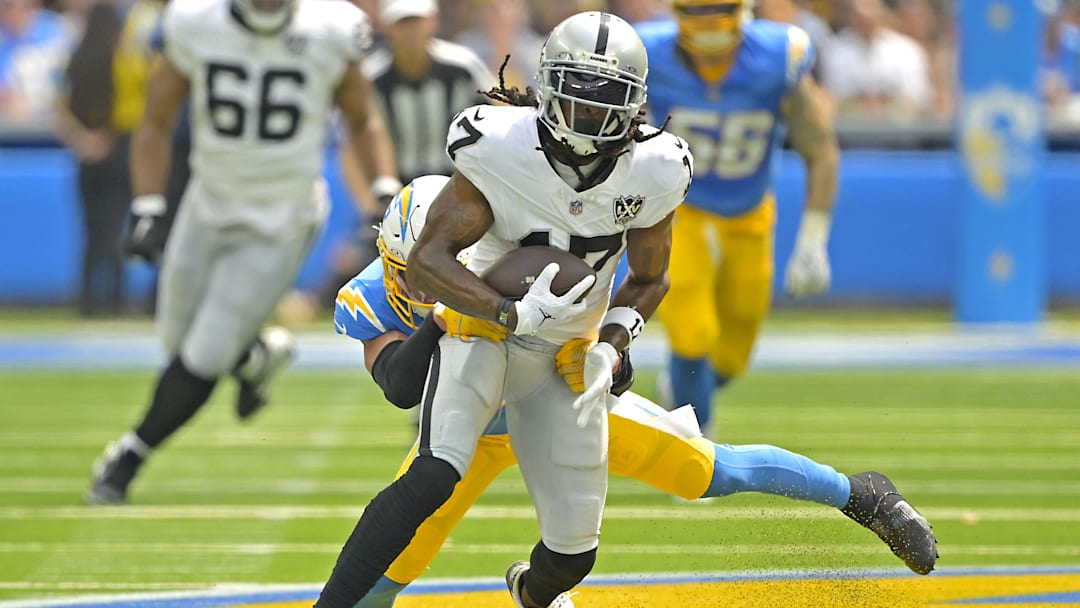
{"x": 576, "y": 207}
{"x": 626, "y": 208}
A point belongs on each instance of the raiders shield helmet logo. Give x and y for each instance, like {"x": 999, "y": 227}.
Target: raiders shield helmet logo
{"x": 626, "y": 208}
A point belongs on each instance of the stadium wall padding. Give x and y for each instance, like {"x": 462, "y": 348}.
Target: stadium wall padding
{"x": 894, "y": 237}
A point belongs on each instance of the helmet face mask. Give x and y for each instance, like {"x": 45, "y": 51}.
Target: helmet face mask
{"x": 592, "y": 81}
{"x": 711, "y": 27}
{"x": 401, "y": 226}
{"x": 265, "y": 16}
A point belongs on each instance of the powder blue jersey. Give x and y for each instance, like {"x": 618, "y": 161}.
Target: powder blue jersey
{"x": 733, "y": 127}
{"x": 363, "y": 312}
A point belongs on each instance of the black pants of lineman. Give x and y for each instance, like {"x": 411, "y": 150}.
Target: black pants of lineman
{"x": 105, "y": 193}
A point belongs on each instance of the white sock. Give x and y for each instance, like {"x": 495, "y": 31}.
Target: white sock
{"x": 130, "y": 441}
{"x": 255, "y": 363}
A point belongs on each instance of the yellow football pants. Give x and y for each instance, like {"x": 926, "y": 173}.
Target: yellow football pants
{"x": 493, "y": 456}
{"x": 683, "y": 467}
{"x": 721, "y": 284}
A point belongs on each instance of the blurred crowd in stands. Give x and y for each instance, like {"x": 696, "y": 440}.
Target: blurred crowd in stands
{"x": 878, "y": 58}
{"x": 76, "y": 72}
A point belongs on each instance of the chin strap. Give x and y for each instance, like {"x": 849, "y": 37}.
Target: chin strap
{"x": 554, "y": 145}
{"x": 582, "y": 147}
{"x": 558, "y": 145}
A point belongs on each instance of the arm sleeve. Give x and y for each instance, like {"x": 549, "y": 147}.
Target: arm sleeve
{"x": 402, "y": 366}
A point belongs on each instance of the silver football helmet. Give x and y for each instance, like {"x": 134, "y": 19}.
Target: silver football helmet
{"x": 265, "y": 16}
{"x": 592, "y": 80}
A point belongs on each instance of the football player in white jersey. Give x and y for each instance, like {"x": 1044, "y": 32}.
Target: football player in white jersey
{"x": 663, "y": 449}
{"x": 580, "y": 172}
{"x": 262, "y": 77}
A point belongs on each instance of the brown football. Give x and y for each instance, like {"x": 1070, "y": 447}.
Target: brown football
{"x": 513, "y": 273}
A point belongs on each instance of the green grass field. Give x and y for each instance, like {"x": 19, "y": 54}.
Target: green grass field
{"x": 991, "y": 456}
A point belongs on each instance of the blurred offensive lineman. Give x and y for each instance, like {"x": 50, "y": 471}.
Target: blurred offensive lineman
{"x": 581, "y": 172}
{"x": 730, "y": 84}
{"x": 262, "y": 76}
{"x": 663, "y": 449}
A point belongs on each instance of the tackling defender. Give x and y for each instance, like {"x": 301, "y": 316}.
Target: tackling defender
{"x": 730, "y": 84}
{"x": 262, "y": 77}
{"x": 663, "y": 449}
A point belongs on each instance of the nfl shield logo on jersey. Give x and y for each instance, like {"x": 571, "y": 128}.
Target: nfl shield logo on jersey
{"x": 576, "y": 207}
{"x": 296, "y": 44}
{"x": 626, "y": 208}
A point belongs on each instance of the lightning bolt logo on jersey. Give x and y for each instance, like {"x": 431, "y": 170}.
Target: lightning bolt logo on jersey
{"x": 734, "y": 126}
{"x": 362, "y": 310}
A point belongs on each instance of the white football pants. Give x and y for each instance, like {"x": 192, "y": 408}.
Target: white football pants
{"x": 219, "y": 284}
{"x": 564, "y": 466}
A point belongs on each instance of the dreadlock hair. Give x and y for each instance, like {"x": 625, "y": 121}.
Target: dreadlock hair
{"x": 608, "y": 150}
{"x": 512, "y": 96}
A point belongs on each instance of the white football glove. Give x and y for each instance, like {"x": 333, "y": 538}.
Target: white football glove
{"x": 540, "y": 305}
{"x": 808, "y": 271}
{"x": 599, "y": 363}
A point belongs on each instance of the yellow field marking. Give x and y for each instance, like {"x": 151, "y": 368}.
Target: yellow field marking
{"x": 906, "y": 592}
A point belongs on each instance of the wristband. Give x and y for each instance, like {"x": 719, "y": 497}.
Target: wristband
{"x": 627, "y": 318}
{"x": 502, "y": 315}
{"x": 385, "y": 185}
{"x": 814, "y": 229}
{"x": 148, "y": 204}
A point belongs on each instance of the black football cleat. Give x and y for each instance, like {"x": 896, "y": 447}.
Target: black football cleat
{"x": 278, "y": 348}
{"x": 876, "y": 504}
{"x": 113, "y": 473}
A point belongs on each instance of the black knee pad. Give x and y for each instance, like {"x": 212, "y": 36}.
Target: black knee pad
{"x": 427, "y": 484}
{"x": 552, "y": 573}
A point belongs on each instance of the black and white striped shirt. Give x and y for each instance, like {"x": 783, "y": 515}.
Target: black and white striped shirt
{"x": 418, "y": 113}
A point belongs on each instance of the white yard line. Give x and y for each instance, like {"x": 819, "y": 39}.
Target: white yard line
{"x": 38, "y": 440}
{"x": 711, "y": 511}
{"x": 89, "y": 586}
{"x": 510, "y": 486}
{"x": 975, "y": 441}
{"x": 158, "y": 548}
